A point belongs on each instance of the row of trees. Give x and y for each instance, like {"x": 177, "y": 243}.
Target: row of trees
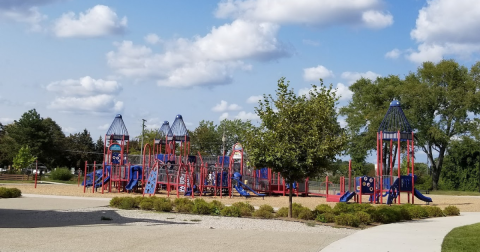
{"x": 45, "y": 140}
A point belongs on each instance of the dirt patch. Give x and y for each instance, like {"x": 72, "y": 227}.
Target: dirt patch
{"x": 464, "y": 203}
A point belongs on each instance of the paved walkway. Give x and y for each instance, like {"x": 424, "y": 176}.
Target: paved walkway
{"x": 420, "y": 235}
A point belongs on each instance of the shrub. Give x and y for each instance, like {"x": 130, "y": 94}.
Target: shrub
{"x": 346, "y": 219}
{"x": 364, "y": 217}
{"x": 244, "y": 207}
{"x": 127, "y": 203}
{"x": 162, "y": 205}
{"x": 434, "y": 211}
{"x": 342, "y": 207}
{"x": 230, "y": 211}
{"x": 385, "y": 215}
{"x": 416, "y": 211}
{"x": 263, "y": 213}
{"x": 200, "y": 206}
{"x": 146, "y": 204}
{"x": 282, "y": 212}
{"x": 63, "y": 174}
{"x": 267, "y": 208}
{"x": 183, "y": 205}
{"x": 306, "y": 214}
{"x": 367, "y": 208}
{"x": 115, "y": 202}
{"x": 323, "y": 208}
{"x": 216, "y": 207}
{"x": 451, "y": 211}
{"x": 138, "y": 200}
{"x": 10, "y": 192}
{"x": 326, "y": 218}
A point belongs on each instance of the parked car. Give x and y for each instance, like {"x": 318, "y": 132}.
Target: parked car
{"x": 42, "y": 169}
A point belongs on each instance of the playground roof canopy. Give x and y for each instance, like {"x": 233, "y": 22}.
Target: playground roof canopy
{"x": 393, "y": 122}
{"x": 117, "y": 130}
{"x": 163, "y": 132}
{"x": 178, "y": 131}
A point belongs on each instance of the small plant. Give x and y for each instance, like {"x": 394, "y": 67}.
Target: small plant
{"x": 200, "y": 206}
{"x": 386, "y": 214}
{"x": 282, "y": 212}
{"x": 367, "y": 208}
{"x": 323, "y": 208}
{"x": 10, "y": 192}
{"x": 306, "y": 214}
{"x": 310, "y": 223}
{"x": 138, "y": 200}
{"x": 346, "y": 219}
{"x": 434, "y": 211}
{"x": 115, "y": 202}
{"x": 230, "y": 211}
{"x": 103, "y": 218}
{"x": 451, "y": 211}
{"x": 296, "y": 209}
{"x": 146, "y": 204}
{"x": 244, "y": 208}
{"x": 416, "y": 211}
{"x": 266, "y": 208}
{"x": 183, "y": 205}
{"x": 364, "y": 217}
{"x": 342, "y": 207}
{"x": 263, "y": 214}
{"x": 162, "y": 205}
{"x": 326, "y": 218}
{"x": 63, "y": 174}
{"x": 216, "y": 207}
{"x": 127, "y": 203}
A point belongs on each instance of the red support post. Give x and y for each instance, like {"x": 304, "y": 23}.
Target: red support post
{"x": 413, "y": 170}
{"x": 85, "y": 178}
{"x": 381, "y": 169}
{"x": 93, "y": 180}
{"x": 350, "y": 175}
{"x": 398, "y": 168}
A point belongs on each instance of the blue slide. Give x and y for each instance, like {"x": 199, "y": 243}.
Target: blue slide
{"x": 240, "y": 186}
{"x": 98, "y": 182}
{"x": 135, "y": 175}
{"x": 406, "y": 185}
{"x": 347, "y": 196}
{"x": 420, "y": 196}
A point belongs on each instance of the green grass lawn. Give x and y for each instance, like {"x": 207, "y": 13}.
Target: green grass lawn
{"x": 455, "y": 193}
{"x": 465, "y": 239}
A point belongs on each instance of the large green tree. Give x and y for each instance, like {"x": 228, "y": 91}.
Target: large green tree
{"x": 437, "y": 100}
{"x": 23, "y": 159}
{"x": 299, "y": 136}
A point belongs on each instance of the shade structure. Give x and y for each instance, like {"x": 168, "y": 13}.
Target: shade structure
{"x": 393, "y": 122}
{"x": 163, "y": 132}
{"x": 117, "y": 130}
{"x": 178, "y": 131}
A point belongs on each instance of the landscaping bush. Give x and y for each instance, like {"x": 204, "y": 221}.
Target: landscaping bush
{"x": 386, "y": 214}
{"x": 146, "y": 204}
{"x": 451, "y": 211}
{"x": 402, "y": 212}
{"x": 367, "y": 208}
{"x": 183, "y": 205}
{"x": 216, "y": 207}
{"x": 138, "y": 200}
{"x": 263, "y": 213}
{"x": 200, "y": 206}
{"x": 63, "y": 174}
{"x": 127, "y": 203}
{"x": 10, "y": 192}
{"x": 162, "y": 205}
{"x": 434, "y": 211}
{"x": 282, "y": 212}
{"x": 346, "y": 219}
{"x": 364, "y": 217}
{"x": 323, "y": 208}
{"x": 230, "y": 211}
{"x": 326, "y": 218}
{"x": 267, "y": 208}
{"x": 342, "y": 207}
{"x": 115, "y": 202}
{"x": 306, "y": 214}
{"x": 416, "y": 211}
{"x": 244, "y": 207}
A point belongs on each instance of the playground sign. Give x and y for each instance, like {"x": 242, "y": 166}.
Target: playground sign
{"x": 115, "y": 147}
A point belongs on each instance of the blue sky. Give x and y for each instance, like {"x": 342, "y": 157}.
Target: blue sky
{"x": 82, "y": 62}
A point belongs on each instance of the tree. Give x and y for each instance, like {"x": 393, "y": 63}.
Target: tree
{"x": 23, "y": 159}
{"x": 436, "y": 101}
{"x": 206, "y": 140}
{"x": 235, "y": 132}
{"x": 299, "y": 136}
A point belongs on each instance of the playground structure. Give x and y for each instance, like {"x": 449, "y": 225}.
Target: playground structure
{"x": 166, "y": 165}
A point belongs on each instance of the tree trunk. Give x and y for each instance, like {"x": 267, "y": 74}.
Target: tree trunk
{"x": 436, "y": 167}
{"x": 290, "y": 195}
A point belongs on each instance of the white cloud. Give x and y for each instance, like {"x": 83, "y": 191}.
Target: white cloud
{"x": 342, "y": 122}
{"x": 351, "y": 77}
{"x": 86, "y": 95}
{"x": 208, "y": 60}
{"x": 316, "y": 73}
{"x": 393, "y": 54}
{"x": 254, "y": 99}
{"x": 311, "y": 12}
{"x": 6, "y": 120}
{"x": 223, "y": 116}
{"x": 84, "y": 86}
{"x": 24, "y": 11}
{"x": 104, "y": 127}
{"x": 95, "y": 22}
{"x": 223, "y": 106}
{"x": 377, "y": 20}
{"x": 69, "y": 130}
{"x": 445, "y": 27}
{"x": 152, "y": 38}
{"x": 91, "y": 104}
{"x": 343, "y": 91}
{"x": 244, "y": 116}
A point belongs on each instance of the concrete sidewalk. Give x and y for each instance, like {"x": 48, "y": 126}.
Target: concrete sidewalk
{"x": 419, "y": 235}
